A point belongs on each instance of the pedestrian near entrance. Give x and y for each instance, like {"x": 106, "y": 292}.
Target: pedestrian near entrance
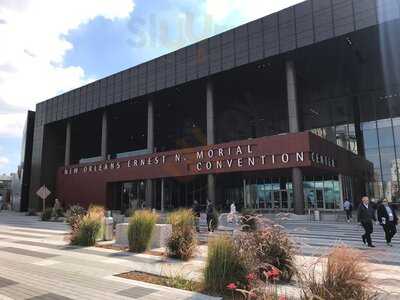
{"x": 366, "y": 216}
{"x": 210, "y": 212}
{"x": 196, "y": 211}
{"x": 387, "y": 217}
{"x": 348, "y": 207}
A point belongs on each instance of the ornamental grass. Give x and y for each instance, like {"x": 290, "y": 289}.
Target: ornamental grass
{"x": 140, "y": 230}
{"x": 223, "y": 266}
{"x": 87, "y": 227}
{"x": 339, "y": 275}
{"x": 265, "y": 248}
{"x": 182, "y": 242}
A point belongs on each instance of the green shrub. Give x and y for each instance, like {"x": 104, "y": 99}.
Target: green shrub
{"x": 182, "y": 242}
{"x": 86, "y": 235}
{"x": 140, "y": 230}
{"x": 46, "y": 214}
{"x": 223, "y": 265}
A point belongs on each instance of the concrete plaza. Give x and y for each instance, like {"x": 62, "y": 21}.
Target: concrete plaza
{"x": 37, "y": 263}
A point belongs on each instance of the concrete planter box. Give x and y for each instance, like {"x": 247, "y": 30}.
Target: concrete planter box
{"x": 161, "y": 234}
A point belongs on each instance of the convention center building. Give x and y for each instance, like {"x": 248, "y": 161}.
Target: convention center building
{"x": 296, "y": 111}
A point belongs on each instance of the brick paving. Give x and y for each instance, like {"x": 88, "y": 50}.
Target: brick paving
{"x": 36, "y": 263}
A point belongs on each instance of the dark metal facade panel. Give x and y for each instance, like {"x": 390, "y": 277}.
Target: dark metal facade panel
{"x": 242, "y": 54}
{"x": 180, "y": 66}
{"x": 133, "y": 83}
{"x": 82, "y": 101}
{"x": 191, "y": 62}
{"x": 110, "y": 90}
{"x": 287, "y": 30}
{"x": 256, "y": 40}
{"x": 160, "y": 73}
{"x": 118, "y": 88}
{"x": 215, "y": 54}
{"x": 365, "y": 13}
{"x": 301, "y": 25}
{"x": 103, "y": 92}
{"x": 271, "y": 35}
{"x": 142, "y": 76}
{"x": 203, "y": 59}
{"x": 59, "y": 114}
{"x": 323, "y": 19}
{"x": 343, "y": 16}
{"x": 304, "y": 24}
{"x": 228, "y": 50}
{"x": 151, "y": 77}
{"x": 170, "y": 74}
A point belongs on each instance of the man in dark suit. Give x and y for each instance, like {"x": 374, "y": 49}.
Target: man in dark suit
{"x": 365, "y": 216}
{"x": 387, "y": 217}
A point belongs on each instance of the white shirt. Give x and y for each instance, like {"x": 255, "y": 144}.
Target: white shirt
{"x": 346, "y": 205}
{"x": 389, "y": 212}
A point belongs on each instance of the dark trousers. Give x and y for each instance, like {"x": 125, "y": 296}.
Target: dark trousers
{"x": 390, "y": 231}
{"x": 209, "y": 225}
{"x": 348, "y": 214}
{"x": 369, "y": 228}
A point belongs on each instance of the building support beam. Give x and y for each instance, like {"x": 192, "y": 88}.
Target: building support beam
{"x": 210, "y": 136}
{"x": 104, "y": 136}
{"x": 67, "y": 159}
{"x": 150, "y": 148}
{"x": 162, "y": 194}
{"x": 294, "y": 126}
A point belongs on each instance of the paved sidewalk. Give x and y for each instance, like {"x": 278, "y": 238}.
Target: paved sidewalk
{"x": 36, "y": 263}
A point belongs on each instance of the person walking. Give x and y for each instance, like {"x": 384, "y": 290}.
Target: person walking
{"x": 196, "y": 211}
{"x": 388, "y": 219}
{"x": 347, "y": 206}
{"x": 365, "y": 216}
{"x": 210, "y": 212}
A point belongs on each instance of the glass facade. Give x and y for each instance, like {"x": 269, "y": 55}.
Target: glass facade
{"x": 276, "y": 193}
{"x": 380, "y": 124}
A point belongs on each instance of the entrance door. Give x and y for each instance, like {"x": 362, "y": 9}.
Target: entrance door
{"x": 277, "y": 199}
{"x": 320, "y": 198}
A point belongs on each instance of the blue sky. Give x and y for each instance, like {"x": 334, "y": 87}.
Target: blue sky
{"x": 55, "y": 46}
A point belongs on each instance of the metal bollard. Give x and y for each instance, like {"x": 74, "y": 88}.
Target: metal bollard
{"x": 317, "y": 216}
{"x": 108, "y": 228}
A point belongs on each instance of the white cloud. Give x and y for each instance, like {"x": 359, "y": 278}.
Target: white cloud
{"x": 32, "y": 33}
{"x": 245, "y": 10}
{"x": 3, "y": 161}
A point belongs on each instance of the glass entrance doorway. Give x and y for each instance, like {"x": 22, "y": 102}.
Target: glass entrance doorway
{"x": 268, "y": 193}
{"x": 182, "y": 192}
{"x": 127, "y": 195}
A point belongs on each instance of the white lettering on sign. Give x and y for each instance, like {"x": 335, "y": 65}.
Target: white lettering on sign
{"x": 238, "y": 156}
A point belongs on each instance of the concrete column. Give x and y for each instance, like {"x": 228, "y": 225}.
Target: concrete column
{"x": 162, "y": 194}
{"x": 291, "y": 87}
{"x": 210, "y": 136}
{"x": 104, "y": 136}
{"x": 67, "y": 160}
{"x": 294, "y": 126}
{"x": 210, "y": 113}
{"x": 150, "y": 147}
